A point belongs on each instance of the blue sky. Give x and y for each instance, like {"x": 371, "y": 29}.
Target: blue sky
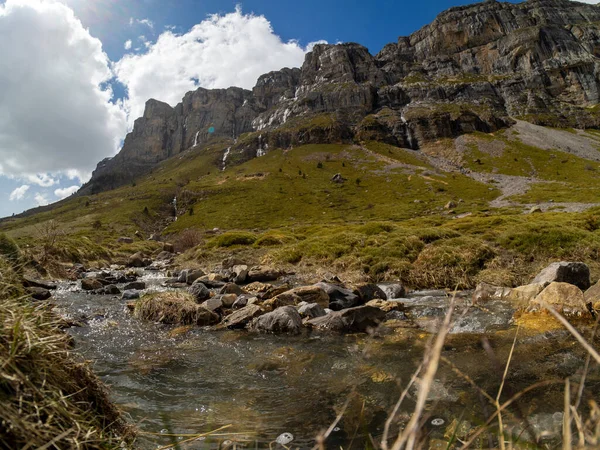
{"x": 76, "y": 73}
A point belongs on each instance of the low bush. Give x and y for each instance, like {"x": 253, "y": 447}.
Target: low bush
{"x": 232, "y": 238}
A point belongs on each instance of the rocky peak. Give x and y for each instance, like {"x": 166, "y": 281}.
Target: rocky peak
{"x": 469, "y": 70}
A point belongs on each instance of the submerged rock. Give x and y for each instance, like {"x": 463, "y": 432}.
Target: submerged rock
{"x": 576, "y": 273}
{"x": 130, "y": 295}
{"x": 283, "y": 320}
{"x": 485, "y": 292}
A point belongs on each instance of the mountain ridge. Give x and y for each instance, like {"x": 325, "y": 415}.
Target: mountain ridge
{"x": 472, "y": 69}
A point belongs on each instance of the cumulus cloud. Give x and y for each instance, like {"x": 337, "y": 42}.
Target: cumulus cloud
{"x": 41, "y": 179}
{"x": 55, "y": 115}
{"x": 41, "y": 199}
{"x": 221, "y": 51}
{"x": 127, "y": 45}
{"x": 18, "y": 193}
{"x": 65, "y": 192}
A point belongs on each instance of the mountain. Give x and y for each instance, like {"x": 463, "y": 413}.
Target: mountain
{"x": 474, "y": 68}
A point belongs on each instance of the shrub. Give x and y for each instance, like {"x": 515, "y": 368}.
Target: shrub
{"x": 9, "y": 248}
{"x": 187, "y": 239}
{"x": 452, "y": 263}
{"x": 48, "y": 397}
{"x": 233, "y": 238}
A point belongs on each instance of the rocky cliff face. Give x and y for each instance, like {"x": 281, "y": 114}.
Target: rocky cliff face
{"x": 471, "y": 69}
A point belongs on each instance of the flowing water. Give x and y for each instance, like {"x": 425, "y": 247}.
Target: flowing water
{"x": 179, "y": 381}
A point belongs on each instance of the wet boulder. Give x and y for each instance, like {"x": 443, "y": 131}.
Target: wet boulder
{"x": 241, "y": 317}
{"x": 566, "y": 298}
{"x": 340, "y": 297}
{"x": 523, "y": 295}
{"x": 138, "y": 260}
{"x": 311, "y": 310}
{"x": 393, "y": 291}
{"x": 199, "y": 291}
{"x": 360, "y": 319}
{"x": 111, "y": 289}
{"x": 91, "y": 284}
{"x": 130, "y": 295}
{"x": 368, "y": 292}
{"x": 193, "y": 275}
{"x": 283, "y": 320}
{"x": 239, "y": 273}
{"x": 136, "y": 285}
{"x": 29, "y": 282}
{"x": 576, "y": 273}
{"x": 175, "y": 308}
{"x": 386, "y": 305}
{"x": 213, "y": 280}
{"x": 38, "y": 293}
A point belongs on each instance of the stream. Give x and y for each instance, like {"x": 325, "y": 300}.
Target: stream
{"x": 187, "y": 381}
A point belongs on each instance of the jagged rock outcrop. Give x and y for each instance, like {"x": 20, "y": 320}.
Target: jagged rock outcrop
{"x": 471, "y": 69}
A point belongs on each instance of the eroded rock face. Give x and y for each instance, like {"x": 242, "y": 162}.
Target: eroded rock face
{"x": 469, "y": 70}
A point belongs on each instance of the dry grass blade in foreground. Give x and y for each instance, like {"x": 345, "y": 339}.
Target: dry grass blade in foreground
{"x": 48, "y": 399}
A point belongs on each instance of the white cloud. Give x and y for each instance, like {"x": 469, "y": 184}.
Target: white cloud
{"x": 65, "y": 192}
{"x": 54, "y": 116}
{"x": 41, "y": 179}
{"x": 146, "y": 22}
{"x": 127, "y": 45}
{"x": 222, "y": 51}
{"x": 18, "y": 193}
{"x": 41, "y": 199}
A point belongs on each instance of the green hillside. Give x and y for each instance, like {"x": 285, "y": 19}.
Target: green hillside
{"x": 424, "y": 217}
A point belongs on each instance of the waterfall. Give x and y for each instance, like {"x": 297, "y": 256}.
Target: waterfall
{"x": 196, "y": 138}
{"x": 225, "y": 157}
{"x": 175, "y": 207}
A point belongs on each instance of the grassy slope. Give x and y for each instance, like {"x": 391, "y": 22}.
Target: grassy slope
{"x": 391, "y": 224}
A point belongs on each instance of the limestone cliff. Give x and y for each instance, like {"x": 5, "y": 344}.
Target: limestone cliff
{"x": 471, "y": 69}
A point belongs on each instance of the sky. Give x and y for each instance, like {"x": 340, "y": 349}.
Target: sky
{"x": 75, "y": 74}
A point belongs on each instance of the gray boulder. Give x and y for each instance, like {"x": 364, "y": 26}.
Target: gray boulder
{"x": 193, "y": 275}
{"x": 240, "y": 273}
{"x": 243, "y": 316}
{"x": 283, "y": 320}
{"x": 393, "y": 291}
{"x": 130, "y": 295}
{"x": 340, "y": 297}
{"x": 311, "y": 310}
{"x": 38, "y": 293}
{"x": 199, "y": 291}
{"x": 136, "y": 286}
{"x": 91, "y": 284}
{"x": 261, "y": 273}
{"x": 353, "y": 320}
{"x": 576, "y": 273}
{"x": 32, "y": 282}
